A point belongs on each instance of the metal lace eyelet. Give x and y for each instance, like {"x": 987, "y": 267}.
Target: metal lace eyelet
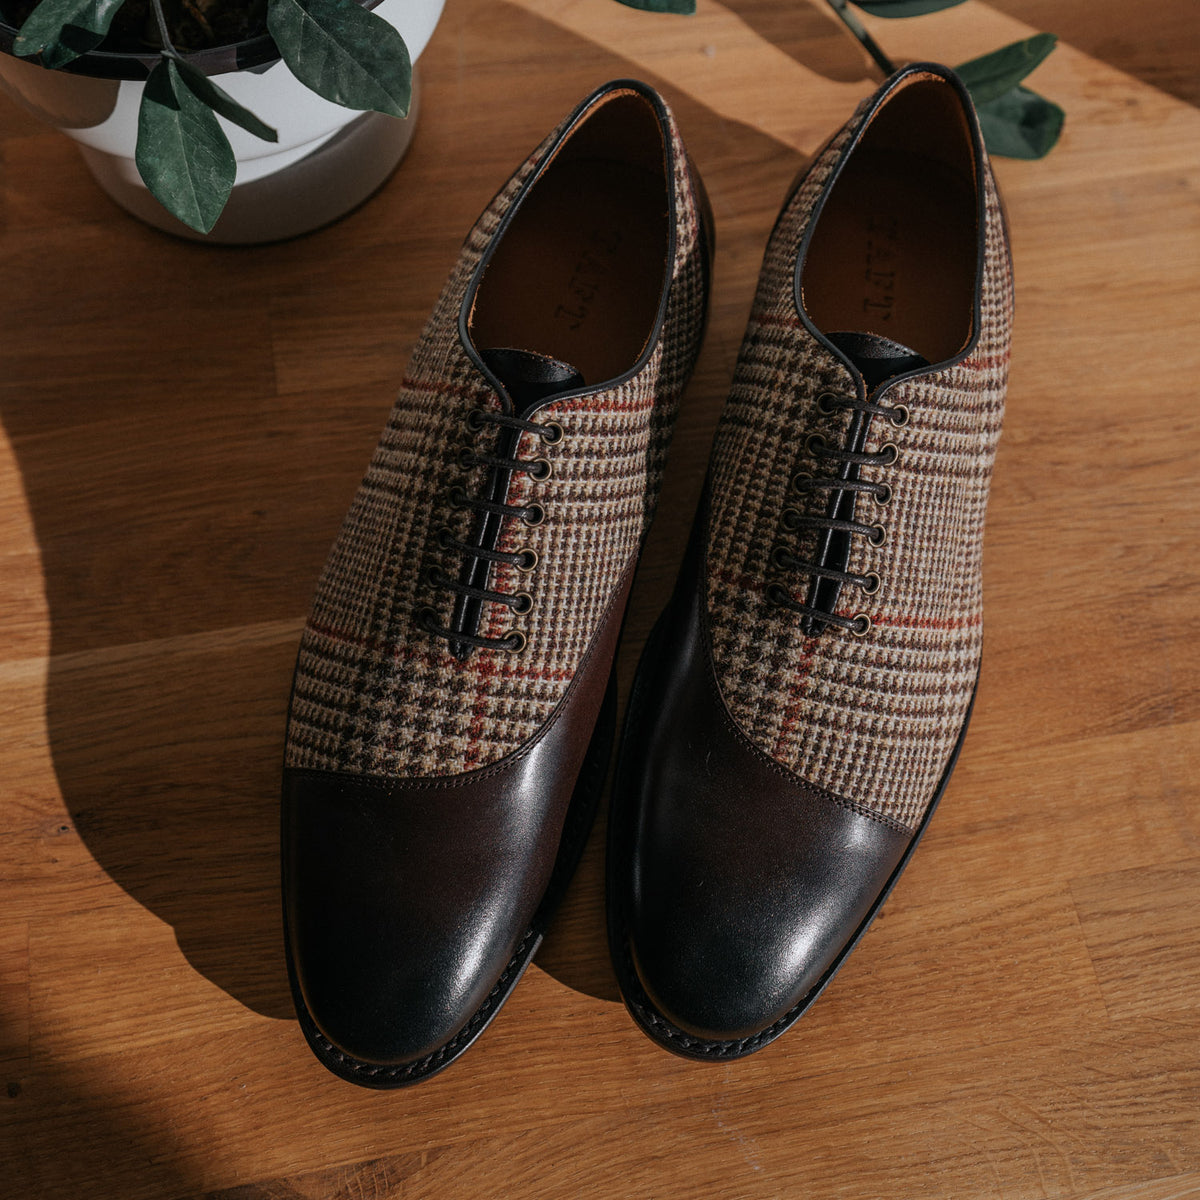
{"x": 815, "y": 444}
{"x": 899, "y": 415}
{"x": 791, "y": 518}
{"x": 827, "y": 403}
{"x": 888, "y": 452}
{"x": 474, "y": 420}
{"x": 425, "y": 619}
{"x": 872, "y": 584}
{"x": 434, "y": 577}
{"x": 552, "y": 433}
{"x": 540, "y": 469}
{"x": 780, "y": 557}
{"x": 878, "y": 536}
{"x": 861, "y": 626}
{"x": 883, "y": 494}
{"x": 801, "y": 481}
{"x": 466, "y": 459}
{"x": 529, "y": 560}
{"x": 535, "y": 514}
{"x": 458, "y": 497}
{"x": 521, "y": 603}
{"x": 515, "y": 641}
{"x": 776, "y": 594}
{"x": 443, "y": 537}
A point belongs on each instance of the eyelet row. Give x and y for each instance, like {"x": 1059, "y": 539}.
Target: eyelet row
{"x": 551, "y": 433}
{"x": 781, "y": 553}
{"x": 540, "y": 469}
{"x": 878, "y": 537}
{"x": 860, "y": 627}
{"x": 535, "y": 514}
{"x": 827, "y": 405}
{"x": 514, "y": 640}
{"x": 882, "y": 495}
{"x": 801, "y": 482}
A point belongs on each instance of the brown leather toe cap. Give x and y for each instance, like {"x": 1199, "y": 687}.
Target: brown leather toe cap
{"x": 404, "y": 903}
{"x": 735, "y": 887}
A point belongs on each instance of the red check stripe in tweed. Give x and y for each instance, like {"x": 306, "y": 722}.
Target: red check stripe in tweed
{"x": 376, "y": 694}
{"x": 871, "y": 719}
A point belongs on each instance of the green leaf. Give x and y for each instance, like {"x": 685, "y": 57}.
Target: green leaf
{"x": 221, "y": 102}
{"x": 62, "y": 30}
{"x": 182, "y": 153}
{"x": 344, "y": 53}
{"x": 994, "y": 74}
{"x": 1020, "y": 124}
{"x": 903, "y": 8}
{"x": 662, "y": 6}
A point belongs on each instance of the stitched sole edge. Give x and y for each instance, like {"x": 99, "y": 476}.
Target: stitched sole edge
{"x": 581, "y": 814}
{"x": 619, "y": 848}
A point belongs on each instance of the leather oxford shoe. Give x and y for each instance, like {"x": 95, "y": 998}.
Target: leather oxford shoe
{"x": 452, "y": 711}
{"x": 801, "y": 703}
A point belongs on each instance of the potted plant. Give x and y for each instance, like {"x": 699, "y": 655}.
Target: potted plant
{"x": 230, "y": 120}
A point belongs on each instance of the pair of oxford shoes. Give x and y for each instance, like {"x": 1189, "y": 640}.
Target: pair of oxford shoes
{"x": 801, "y": 702}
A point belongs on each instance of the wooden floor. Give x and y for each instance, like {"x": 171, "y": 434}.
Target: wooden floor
{"x": 183, "y": 428}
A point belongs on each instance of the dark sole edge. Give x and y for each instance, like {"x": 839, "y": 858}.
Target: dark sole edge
{"x": 581, "y": 814}
{"x": 639, "y": 1005}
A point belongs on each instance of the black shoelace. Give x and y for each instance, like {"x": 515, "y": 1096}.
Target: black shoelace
{"x": 794, "y": 520}
{"x": 524, "y": 560}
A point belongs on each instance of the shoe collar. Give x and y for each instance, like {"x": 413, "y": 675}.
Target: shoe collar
{"x": 582, "y": 113}
{"x": 890, "y": 88}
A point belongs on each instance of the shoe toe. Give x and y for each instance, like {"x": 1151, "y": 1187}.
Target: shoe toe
{"x": 396, "y": 932}
{"x": 731, "y": 934}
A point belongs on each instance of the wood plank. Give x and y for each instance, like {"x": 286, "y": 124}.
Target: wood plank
{"x": 1140, "y": 927}
{"x": 1035, "y": 1117}
{"x": 14, "y": 1005}
{"x": 1050, "y": 814}
{"x": 1177, "y": 1187}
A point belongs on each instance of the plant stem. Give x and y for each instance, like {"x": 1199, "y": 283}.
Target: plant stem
{"x": 855, "y": 26}
{"x": 163, "y": 33}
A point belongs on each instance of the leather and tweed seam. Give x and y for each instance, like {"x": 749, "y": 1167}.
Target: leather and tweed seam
{"x": 875, "y": 718}
{"x": 375, "y": 693}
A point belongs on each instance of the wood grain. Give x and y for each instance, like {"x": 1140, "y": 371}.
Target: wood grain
{"x": 183, "y": 428}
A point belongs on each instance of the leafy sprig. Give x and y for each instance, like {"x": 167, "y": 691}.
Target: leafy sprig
{"x": 336, "y": 48}
{"x": 687, "y": 7}
{"x": 61, "y": 30}
{"x": 1016, "y": 122}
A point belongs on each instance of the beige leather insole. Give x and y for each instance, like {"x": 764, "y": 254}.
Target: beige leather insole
{"x": 579, "y": 273}
{"x": 894, "y": 254}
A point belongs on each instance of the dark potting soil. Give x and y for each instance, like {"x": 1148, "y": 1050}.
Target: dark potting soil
{"x": 193, "y": 24}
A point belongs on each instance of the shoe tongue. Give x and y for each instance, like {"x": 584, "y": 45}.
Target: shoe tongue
{"x": 528, "y": 377}
{"x": 878, "y": 358}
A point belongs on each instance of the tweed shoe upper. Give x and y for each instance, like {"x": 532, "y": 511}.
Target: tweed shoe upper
{"x": 872, "y": 718}
{"x": 375, "y": 692}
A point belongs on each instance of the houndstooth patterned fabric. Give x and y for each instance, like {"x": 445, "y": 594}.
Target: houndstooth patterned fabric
{"x": 374, "y": 693}
{"x": 872, "y": 719}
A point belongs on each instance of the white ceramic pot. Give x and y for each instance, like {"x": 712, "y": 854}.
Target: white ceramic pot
{"x": 328, "y": 158}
